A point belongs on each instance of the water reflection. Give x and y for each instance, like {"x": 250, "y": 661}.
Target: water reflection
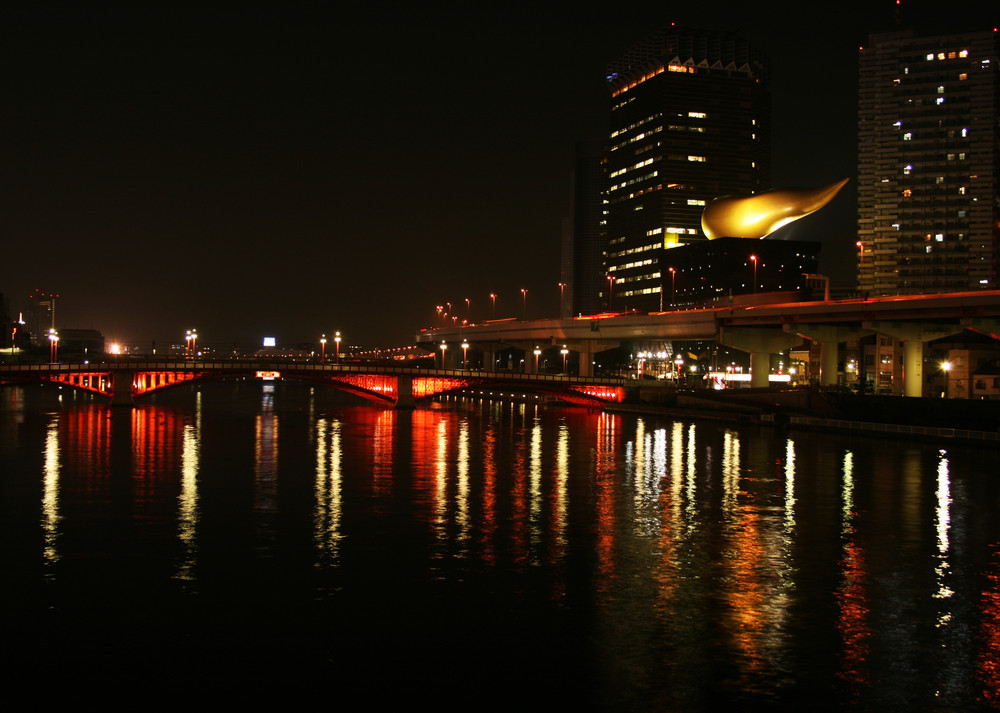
{"x": 695, "y": 562}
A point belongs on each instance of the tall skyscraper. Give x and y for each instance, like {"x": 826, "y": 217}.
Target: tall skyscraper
{"x": 928, "y": 159}
{"x": 690, "y": 121}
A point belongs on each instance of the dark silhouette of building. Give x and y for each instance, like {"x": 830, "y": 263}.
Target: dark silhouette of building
{"x": 714, "y": 271}
{"x": 583, "y": 269}
{"x": 928, "y": 158}
{"x": 690, "y": 121}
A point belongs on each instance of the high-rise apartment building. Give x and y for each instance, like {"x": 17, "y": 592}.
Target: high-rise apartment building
{"x": 928, "y": 159}
{"x": 690, "y": 121}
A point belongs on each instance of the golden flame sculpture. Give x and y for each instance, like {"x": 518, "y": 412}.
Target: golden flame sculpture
{"x": 760, "y": 215}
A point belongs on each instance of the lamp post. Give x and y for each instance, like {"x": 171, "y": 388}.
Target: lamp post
{"x": 493, "y": 299}
{"x": 322, "y": 349}
{"x": 562, "y": 288}
{"x": 336, "y": 341}
{"x": 537, "y": 352}
{"x": 564, "y": 351}
{"x": 465, "y": 353}
{"x": 443, "y": 348}
{"x": 673, "y": 282}
{"x": 861, "y": 262}
{"x": 53, "y": 346}
{"x": 524, "y": 303}
{"x": 611, "y": 291}
{"x": 468, "y": 309}
{"x": 946, "y": 368}
{"x": 754, "y": 259}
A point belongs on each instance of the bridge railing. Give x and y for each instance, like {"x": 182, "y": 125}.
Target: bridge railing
{"x": 236, "y": 366}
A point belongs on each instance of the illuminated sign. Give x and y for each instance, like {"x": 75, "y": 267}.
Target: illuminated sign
{"x": 268, "y": 375}
{"x": 269, "y": 341}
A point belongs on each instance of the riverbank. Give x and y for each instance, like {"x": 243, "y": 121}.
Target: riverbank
{"x": 811, "y": 408}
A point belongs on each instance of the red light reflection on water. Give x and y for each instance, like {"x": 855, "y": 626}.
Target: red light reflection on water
{"x": 988, "y": 660}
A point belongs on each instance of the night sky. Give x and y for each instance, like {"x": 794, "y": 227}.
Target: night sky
{"x": 292, "y": 172}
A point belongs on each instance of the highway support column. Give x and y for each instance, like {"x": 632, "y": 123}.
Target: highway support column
{"x": 914, "y": 336}
{"x": 829, "y": 337}
{"x": 761, "y": 342}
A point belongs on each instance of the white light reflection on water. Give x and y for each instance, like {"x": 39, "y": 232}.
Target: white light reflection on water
{"x": 852, "y": 594}
{"x": 942, "y": 521}
{"x": 328, "y": 515}
{"x": 535, "y": 492}
{"x": 50, "y": 493}
{"x": 187, "y": 499}
{"x": 790, "y": 485}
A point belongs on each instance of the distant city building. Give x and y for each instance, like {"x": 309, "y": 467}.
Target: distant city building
{"x": 690, "y": 121}
{"x": 928, "y": 158}
{"x": 41, "y": 316}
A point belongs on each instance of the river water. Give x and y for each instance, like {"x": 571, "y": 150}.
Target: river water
{"x": 268, "y": 543}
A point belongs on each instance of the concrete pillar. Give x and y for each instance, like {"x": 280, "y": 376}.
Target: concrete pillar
{"x": 914, "y": 336}
{"x": 760, "y": 369}
{"x": 761, "y": 342}
{"x": 404, "y": 391}
{"x": 913, "y": 368}
{"x": 829, "y": 337}
{"x": 121, "y": 388}
{"x": 828, "y": 352}
{"x": 586, "y": 356}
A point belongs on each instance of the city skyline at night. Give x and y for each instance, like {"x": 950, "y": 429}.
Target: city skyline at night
{"x": 295, "y": 172}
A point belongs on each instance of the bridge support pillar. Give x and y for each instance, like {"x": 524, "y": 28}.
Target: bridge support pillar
{"x": 404, "y": 392}
{"x": 914, "y": 336}
{"x": 829, "y": 337}
{"x": 121, "y": 388}
{"x": 761, "y": 342}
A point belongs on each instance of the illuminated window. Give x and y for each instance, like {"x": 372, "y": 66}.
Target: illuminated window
{"x": 939, "y": 237}
{"x": 963, "y": 53}
{"x": 963, "y": 76}
{"x": 940, "y": 100}
{"x": 930, "y": 57}
{"x": 965, "y": 132}
{"x": 907, "y": 168}
{"x": 695, "y": 201}
{"x": 697, "y": 159}
{"x": 941, "y": 89}
{"x": 907, "y": 193}
{"x": 908, "y": 136}
{"x": 697, "y": 115}
{"x": 961, "y": 190}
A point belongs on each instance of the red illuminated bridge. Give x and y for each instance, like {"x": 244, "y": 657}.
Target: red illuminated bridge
{"x": 124, "y": 381}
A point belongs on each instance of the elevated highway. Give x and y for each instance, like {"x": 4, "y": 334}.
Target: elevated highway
{"x": 762, "y": 329}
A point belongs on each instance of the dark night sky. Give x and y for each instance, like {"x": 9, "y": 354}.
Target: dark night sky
{"x": 292, "y": 172}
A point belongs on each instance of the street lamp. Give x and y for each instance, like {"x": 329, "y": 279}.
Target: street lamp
{"x": 465, "y": 353}
{"x": 562, "y": 288}
{"x": 322, "y": 349}
{"x": 336, "y": 340}
{"x": 468, "y": 308}
{"x": 53, "y": 345}
{"x": 754, "y": 258}
{"x": 611, "y": 291}
{"x": 946, "y": 368}
{"x": 443, "y": 348}
{"x": 673, "y": 282}
{"x": 493, "y": 298}
{"x": 524, "y": 301}
{"x": 564, "y": 351}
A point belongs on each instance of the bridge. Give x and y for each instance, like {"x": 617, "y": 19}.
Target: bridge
{"x": 759, "y": 327}
{"x": 394, "y": 387}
